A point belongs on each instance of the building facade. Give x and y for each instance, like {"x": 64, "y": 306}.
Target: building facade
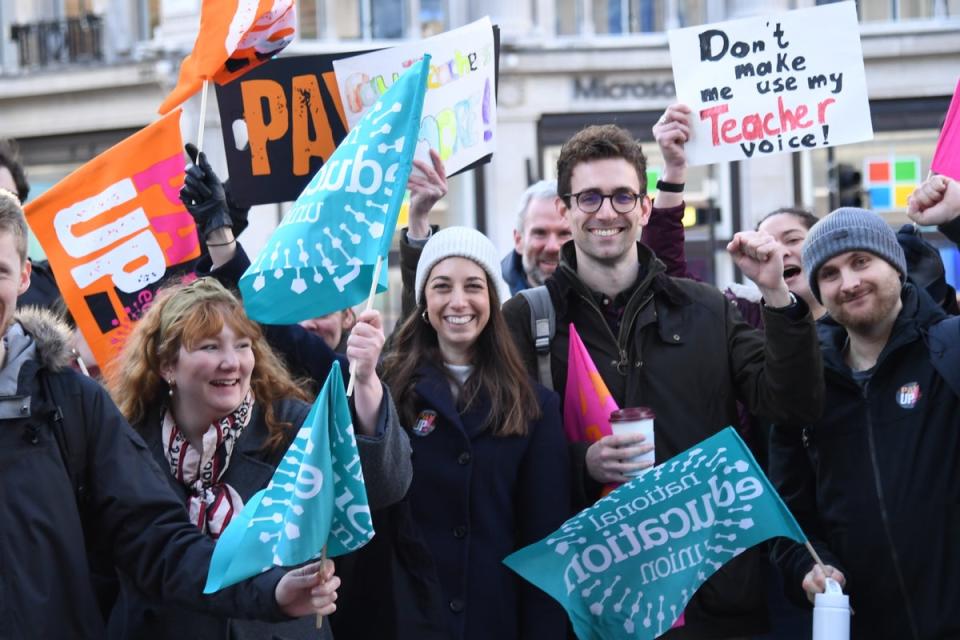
{"x": 80, "y": 75}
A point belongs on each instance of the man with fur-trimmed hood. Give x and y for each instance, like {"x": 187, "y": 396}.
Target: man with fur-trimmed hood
{"x": 73, "y": 472}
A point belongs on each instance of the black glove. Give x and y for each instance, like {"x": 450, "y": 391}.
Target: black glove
{"x": 203, "y": 195}
{"x": 238, "y": 215}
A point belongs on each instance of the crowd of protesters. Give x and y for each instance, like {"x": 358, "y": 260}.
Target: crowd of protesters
{"x": 841, "y": 366}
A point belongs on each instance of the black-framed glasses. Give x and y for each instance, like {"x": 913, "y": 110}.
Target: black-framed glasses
{"x": 590, "y": 201}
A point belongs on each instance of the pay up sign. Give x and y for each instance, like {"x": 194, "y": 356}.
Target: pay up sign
{"x": 772, "y": 84}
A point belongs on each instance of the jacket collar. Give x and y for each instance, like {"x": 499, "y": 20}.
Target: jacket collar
{"x": 653, "y": 277}
{"x": 511, "y": 267}
{"x": 50, "y": 334}
{"x": 434, "y": 386}
{"x": 919, "y": 312}
{"x": 249, "y": 469}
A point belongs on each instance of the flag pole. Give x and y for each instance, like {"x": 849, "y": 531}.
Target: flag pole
{"x": 323, "y": 558}
{"x": 373, "y": 292}
{"x": 203, "y": 114}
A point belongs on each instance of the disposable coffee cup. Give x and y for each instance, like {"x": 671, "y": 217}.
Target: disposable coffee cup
{"x": 635, "y": 420}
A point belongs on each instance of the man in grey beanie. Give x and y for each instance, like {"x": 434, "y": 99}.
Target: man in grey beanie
{"x": 874, "y": 482}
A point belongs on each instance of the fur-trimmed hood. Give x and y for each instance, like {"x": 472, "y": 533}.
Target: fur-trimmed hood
{"x": 50, "y": 334}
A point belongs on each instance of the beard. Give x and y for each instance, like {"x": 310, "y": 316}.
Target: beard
{"x": 864, "y": 320}
{"x": 536, "y": 276}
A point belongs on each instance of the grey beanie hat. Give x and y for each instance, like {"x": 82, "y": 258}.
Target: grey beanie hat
{"x": 850, "y": 229}
{"x": 461, "y": 242}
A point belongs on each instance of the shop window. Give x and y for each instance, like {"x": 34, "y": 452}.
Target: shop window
{"x": 896, "y": 10}
{"x": 369, "y": 19}
{"x": 619, "y": 17}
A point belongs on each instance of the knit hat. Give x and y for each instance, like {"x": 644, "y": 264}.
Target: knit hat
{"x": 461, "y": 242}
{"x": 850, "y": 229}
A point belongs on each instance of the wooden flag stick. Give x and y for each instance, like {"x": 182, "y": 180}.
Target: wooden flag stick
{"x": 373, "y": 292}
{"x": 203, "y": 115}
{"x": 323, "y": 558}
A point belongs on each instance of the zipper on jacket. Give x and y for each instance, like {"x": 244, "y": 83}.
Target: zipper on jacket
{"x": 884, "y": 516}
{"x": 623, "y": 364}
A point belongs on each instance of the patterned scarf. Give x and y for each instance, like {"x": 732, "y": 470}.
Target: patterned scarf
{"x": 212, "y": 503}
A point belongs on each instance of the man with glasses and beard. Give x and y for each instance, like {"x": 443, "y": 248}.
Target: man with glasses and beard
{"x": 874, "y": 483}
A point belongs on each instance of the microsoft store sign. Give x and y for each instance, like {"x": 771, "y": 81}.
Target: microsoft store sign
{"x": 598, "y": 87}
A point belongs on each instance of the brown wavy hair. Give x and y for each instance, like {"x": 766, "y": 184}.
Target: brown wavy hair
{"x": 499, "y": 374}
{"x": 599, "y": 142}
{"x": 183, "y": 315}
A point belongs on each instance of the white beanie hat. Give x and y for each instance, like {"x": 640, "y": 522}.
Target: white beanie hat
{"x": 462, "y": 242}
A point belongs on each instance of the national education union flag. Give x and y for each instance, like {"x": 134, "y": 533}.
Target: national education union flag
{"x": 627, "y": 566}
{"x": 315, "y": 498}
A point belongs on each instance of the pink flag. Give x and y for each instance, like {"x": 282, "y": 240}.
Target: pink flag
{"x": 946, "y": 159}
{"x": 587, "y": 404}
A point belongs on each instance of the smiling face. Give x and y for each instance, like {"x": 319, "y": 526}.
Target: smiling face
{"x": 606, "y": 237}
{"x": 860, "y": 290}
{"x": 544, "y": 232}
{"x": 458, "y": 306}
{"x": 790, "y": 232}
{"x": 211, "y": 377}
{"x": 14, "y": 278}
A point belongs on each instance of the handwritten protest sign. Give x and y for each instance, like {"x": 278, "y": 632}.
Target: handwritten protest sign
{"x": 459, "y": 113}
{"x": 280, "y": 122}
{"x": 772, "y": 84}
{"x": 627, "y": 566}
{"x": 946, "y": 159}
{"x": 114, "y": 228}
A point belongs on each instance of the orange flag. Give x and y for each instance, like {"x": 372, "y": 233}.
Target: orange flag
{"x": 235, "y": 36}
{"x": 113, "y": 229}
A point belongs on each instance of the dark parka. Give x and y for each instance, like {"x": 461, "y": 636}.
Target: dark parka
{"x": 45, "y": 581}
{"x": 387, "y": 471}
{"x": 684, "y": 351}
{"x": 875, "y": 483}
{"x": 477, "y": 498}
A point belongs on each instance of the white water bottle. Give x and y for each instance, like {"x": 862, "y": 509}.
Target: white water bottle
{"x": 831, "y": 613}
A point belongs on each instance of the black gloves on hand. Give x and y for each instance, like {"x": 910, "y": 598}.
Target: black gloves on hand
{"x": 239, "y": 216}
{"x": 203, "y": 195}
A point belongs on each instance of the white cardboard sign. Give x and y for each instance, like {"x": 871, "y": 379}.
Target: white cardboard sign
{"x": 770, "y": 84}
{"x": 459, "y": 111}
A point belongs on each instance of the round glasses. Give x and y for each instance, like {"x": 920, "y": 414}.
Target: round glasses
{"x": 590, "y": 201}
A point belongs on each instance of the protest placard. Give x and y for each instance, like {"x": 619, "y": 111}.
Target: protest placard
{"x": 771, "y": 84}
{"x": 280, "y": 122}
{"x": 114, "y": 229}
{"x": 234, "y": 38}
{"x": 946, "y": 159}
{"x": 459, "y": 114}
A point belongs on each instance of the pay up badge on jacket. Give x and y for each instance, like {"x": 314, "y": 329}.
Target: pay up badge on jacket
{"x": 426, "y": 423}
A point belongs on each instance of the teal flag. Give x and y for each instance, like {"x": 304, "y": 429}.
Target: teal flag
{"x": 627, "y": 566}
{"x": 316, "y": 497}
{"x": 322, "y": 256}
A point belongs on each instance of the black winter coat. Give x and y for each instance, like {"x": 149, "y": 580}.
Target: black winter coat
{"x": 476, "y": 498}
{"x": 45, "y": 581}
{"x": 875, "y": 483}
{"x": 684, "y": 351}
{"x": 387, "y": 473}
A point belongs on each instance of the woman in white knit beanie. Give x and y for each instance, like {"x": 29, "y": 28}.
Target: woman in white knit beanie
{"x": 490, "y": 458}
